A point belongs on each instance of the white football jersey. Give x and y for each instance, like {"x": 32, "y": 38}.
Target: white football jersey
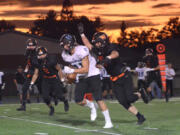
{"x": 1, "y": 74}
{"x": 78, "y": 56}
{"x": 141, "y": 73}
{"x": 103, "y": 73}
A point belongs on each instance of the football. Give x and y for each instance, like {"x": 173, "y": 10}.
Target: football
{"x": 71, "y": 78}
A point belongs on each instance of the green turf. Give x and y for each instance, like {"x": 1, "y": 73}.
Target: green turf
{"x": 162, "y": 119}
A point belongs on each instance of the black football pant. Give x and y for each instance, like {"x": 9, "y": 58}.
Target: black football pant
{"x": 169, "y": 86}
{"x": 49, "y": 86}
{"x": 25, "y": 88}
{"x": 123, "y": 90}
{"x": 141, "y": 84}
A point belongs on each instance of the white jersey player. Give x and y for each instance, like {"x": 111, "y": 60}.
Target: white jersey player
{"x": 88, "y": 76}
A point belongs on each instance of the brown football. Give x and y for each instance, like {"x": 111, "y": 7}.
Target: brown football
{"x": 71, "y": 78}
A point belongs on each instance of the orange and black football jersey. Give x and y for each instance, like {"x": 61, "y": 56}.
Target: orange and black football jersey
{"x": 115, "y": 67}
{"x": 47, "y": 66}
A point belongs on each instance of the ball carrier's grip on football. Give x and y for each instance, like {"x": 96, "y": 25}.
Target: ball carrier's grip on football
{"x": 70, "y": 78}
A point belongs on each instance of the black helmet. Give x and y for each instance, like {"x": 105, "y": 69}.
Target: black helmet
{"x": 68, "y": 39}
{"x": 41, "y": 51}
{"x": 100, "y": 37}
{"x": 103, "y": 39}
{"x": 149, "y": 51}
{"x": 31, "y": 42}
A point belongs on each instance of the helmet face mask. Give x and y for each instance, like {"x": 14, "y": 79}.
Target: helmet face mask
{"x": 31, "y": 44}
{"x": 67, "y": 42}
{"x": 100, "y": 41}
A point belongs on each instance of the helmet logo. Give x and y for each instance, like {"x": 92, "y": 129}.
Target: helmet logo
{"x": 103, "y": 37}
{"x": 40, "y": 52}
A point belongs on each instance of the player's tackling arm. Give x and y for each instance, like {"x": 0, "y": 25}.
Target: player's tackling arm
{"x": 86, "y": 42}
{"x": 60, "y": 73}
{"x": 35, "y": 76}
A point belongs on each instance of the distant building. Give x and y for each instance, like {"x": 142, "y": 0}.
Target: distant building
{"x": 13, "y": 44}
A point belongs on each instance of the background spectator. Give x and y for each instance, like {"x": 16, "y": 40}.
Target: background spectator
{"x": 170, "y": 73}
{"x": 2, "y": 85}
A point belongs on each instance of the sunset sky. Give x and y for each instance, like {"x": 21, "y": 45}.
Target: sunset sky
{"x": 139, "y": 14}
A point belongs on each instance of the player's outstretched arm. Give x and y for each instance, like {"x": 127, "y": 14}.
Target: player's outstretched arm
{"x": 83, "y": 36}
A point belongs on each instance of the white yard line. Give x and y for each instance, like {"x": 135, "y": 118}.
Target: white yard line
{"x": 149, "y": 128}
{"x": 60, "y": 125}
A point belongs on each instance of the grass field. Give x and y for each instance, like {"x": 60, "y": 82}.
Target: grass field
{"x": 162, "y": 119}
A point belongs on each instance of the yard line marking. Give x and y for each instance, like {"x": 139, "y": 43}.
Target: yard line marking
{"x": 60, "y": 125}
{"x": 41, "y": 133}
{"x": 149, "y": 128}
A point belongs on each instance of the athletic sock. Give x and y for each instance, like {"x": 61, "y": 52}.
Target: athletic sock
{"x": 89, "y": 104}
{"x": 138, "y": 115}
{"x": 106, "y": 116}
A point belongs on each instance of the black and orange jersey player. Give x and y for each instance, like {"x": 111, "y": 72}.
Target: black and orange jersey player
{"x": 31, "y": 62}
{"x": 51, "y": 74}
{"x": 121, "y": 78}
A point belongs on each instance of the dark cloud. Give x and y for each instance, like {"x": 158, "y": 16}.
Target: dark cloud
{"x": 130, "y": 23}
{"x": 23, "y": 13}
{"x": 166, "y": 14}
{"x": 82, "y": 2}
{"x": 163, "y": 5}
{"x": 120, "y": 15}
{"x": 40, "y": 3}
{"x": 93, "y": 8}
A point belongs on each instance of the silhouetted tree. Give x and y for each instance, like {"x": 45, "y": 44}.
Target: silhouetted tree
{"x": 67, "y": 10}
{"x": 170, "y": 30}
{"x": 6, "y": 26}
{"x": 123, "y": 40}
{"x": 50, "y": 26}
{"x": 136, "y": 38}
{"x": 46, "y": 26}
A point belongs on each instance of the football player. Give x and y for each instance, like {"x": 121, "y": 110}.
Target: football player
{"x": 31, "y": 59}
{"x": 88, "y": 76}
{"x": 121, "y": 77}
{"x": 51, "y": 75}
